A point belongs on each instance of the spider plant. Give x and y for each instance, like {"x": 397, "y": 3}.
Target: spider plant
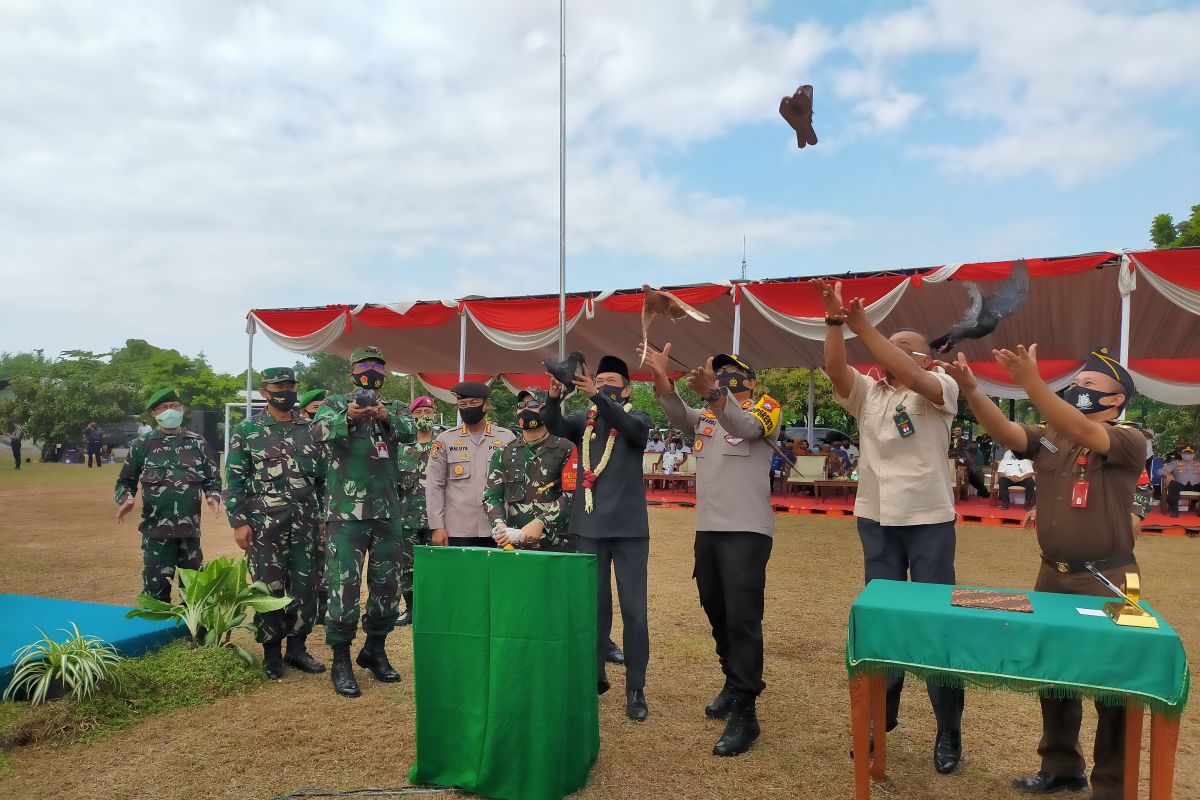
{"x": 77, "y": 665}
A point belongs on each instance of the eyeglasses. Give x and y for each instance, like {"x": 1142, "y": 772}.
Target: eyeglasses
{"x": 529, "y": 404}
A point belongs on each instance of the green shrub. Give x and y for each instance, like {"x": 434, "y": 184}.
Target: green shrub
{"x": 79, "y": 664}
{"x": 215, "y": 601}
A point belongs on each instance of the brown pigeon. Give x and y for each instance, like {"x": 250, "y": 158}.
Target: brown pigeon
{"x": 657, "y": 303}
{"x": 798, "y": 111}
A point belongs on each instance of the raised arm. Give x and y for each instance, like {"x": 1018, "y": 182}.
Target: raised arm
{"x": 840, "y": 373}
{"x": 1058, "y": 413}
{"x": 1003, "y": 431}
{"x": 895, "y": 361}
{"x": 568, "y": 426}
{"x": 678, "y": 413}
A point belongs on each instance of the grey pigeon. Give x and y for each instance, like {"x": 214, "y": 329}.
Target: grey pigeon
{"x": 985, "y": 313}
{"x": 565, "y": 371}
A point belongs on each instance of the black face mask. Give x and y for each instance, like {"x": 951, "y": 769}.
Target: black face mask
{"x": 529, "y": 419}
{"x": 612, "y": 393}
{"x": 733, "y": 381}
{"x": 284, "y": 401}
{"x": 371, "y": 379}
{"x": 1088, "y": 400}
{"x": 471, "y": 415}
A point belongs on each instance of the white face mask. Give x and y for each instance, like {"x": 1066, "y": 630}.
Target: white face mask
{"x": 1188, "y": 456}
{"x": 170, "y": 419}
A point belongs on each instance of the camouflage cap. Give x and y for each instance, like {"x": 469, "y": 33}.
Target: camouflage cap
{"x": 166, "y": 394}
{"x": 368, "y": 353}
{"x": 311, "y": 396}
{"x": 278, "y": 375}
{"x": 530, "y": 394}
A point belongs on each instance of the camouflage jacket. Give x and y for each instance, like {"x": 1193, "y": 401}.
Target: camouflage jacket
{"x": 524, "y": 483}
{"x": 272, "y": 465}
{"x": 175, "y": 472}
{"x": 361, "y": 471}
{"x": 413, "y": 460}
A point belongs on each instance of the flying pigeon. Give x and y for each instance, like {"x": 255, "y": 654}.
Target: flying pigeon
{"x": 798, "y": 111}
{"x": 985, "y": 313}
{"x": 655, "y": 304}
{"x": 565, "y": 371}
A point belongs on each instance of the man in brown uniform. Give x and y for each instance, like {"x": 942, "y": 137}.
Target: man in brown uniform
{"x": 1087, "y": 470}
{"x": 734, "y": 524}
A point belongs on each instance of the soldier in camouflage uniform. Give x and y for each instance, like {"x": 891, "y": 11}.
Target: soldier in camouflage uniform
{"x": 175, "y": 471}
{"x": 273, "y": 476}
{"x": 414, "y": 458}
{"x": 523, "y": 496}
{"x": 363, "y": 519}
{"x": 308, "y": 404}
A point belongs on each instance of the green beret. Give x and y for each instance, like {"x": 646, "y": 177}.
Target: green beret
{"x": 278, "y": 375}
{"x": 310, "y": 396}
{"x": 164, "y": 395}
{"x": 368, "y": 353}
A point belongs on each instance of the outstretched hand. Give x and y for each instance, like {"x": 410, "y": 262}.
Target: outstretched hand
{"x": 961, "y": 372}
{"x": 701, "y": 378}
{"x": 831, "y": 297}
{"x": 655, "y": 360}
{"x": 1021, "y": 365}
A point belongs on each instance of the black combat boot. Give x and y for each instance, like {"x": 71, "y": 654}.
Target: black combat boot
{"x": 342, "y": 673}
{"x": 272, "y": 660}
{"x": 374, "y": 658}
{"x": 406, "y": 617}
{"x": 740, "y": 731}
{"x": 299, "y": 657}
{"x": 720, "y": 706}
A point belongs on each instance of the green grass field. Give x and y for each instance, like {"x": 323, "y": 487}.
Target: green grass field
{"x": 58, "y": 539}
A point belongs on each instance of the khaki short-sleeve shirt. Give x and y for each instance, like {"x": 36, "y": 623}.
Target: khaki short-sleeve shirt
{"x": 902, "y": 480}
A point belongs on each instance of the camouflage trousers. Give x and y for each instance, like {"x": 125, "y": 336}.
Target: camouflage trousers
{"x": 412, "y": 538}
{"x": 285, "y": 553}
{"x": 378, "y": 543}
{"x": 160, "y": 557}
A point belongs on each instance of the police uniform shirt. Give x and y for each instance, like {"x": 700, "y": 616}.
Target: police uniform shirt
{"x": 733, "y": 465}
{"x": 1102, "y": 529}
{"x": 456, "y": 477}
{"x": 1183, "y": 471}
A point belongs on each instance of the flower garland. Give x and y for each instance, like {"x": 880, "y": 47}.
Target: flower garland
{"x": 590, "y": 475}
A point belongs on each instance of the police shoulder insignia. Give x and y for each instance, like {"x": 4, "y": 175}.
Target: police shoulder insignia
{"x": 436, "y": 446}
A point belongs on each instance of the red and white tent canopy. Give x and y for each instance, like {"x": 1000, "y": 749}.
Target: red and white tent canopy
{"x": 1142, "y": 304}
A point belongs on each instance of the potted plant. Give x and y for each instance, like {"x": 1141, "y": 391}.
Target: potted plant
{"x": 49, "y": 669}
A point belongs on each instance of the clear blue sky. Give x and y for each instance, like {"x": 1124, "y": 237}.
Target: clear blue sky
{"x": 165, "y": 168}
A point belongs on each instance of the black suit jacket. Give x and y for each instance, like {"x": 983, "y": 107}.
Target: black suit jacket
{"x": 619, "y": 497}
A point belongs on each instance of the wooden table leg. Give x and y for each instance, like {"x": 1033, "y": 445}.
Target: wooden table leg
{"x": 1134, "y": 713}
{"x": 1164, "y": 738}
{"x": 879, "y": 716}
{"x": 860, "y": 732}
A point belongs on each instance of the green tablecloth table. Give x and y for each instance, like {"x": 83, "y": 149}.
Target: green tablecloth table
{"x": 912, "y": 627}
{"x": 504, "y": 655}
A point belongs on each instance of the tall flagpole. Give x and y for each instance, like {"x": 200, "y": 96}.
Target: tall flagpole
{"x": 562, "y": 179}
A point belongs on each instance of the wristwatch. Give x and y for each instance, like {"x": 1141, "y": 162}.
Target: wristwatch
{"x": 832, "y": 321}
{"x": 715, "y": 394}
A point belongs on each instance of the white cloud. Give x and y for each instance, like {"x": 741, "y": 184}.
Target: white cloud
{"x": 204, "y": 159}
{"x": 1064, "y": 87}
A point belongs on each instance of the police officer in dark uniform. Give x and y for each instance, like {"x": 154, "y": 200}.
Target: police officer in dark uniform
{"x": 1087, "y": 470}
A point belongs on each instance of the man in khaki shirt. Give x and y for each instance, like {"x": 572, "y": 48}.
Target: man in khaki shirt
{"x": 1078, "y": 443}
{"x": 905, "y": 506}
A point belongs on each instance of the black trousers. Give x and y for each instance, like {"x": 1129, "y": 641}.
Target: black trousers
{"x": 731, "y": 578}
{"x": 628, "y": 558}
{"x": 1173, "y": 493}
{"x": 975, "y": 478}
{"x": 927, "y": 553}
{"x": 472, "y": 541}
{"x": 1029, "y": 486}
{"x": 16, "y": 451}
{"x": 93, "y": 451}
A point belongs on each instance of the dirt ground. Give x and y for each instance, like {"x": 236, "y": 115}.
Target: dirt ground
{"x": 57, "y": 538}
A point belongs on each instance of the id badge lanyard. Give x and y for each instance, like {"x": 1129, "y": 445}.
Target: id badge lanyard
{"x": 1079, "y": 490}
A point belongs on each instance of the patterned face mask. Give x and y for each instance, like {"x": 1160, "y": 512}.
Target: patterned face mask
{"x": 424, "y": 423}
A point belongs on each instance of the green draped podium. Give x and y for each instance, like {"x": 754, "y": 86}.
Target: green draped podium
{"x": 1056, "y": 650}
{"x": 504, "y": 652}
{"x": 912, "y": 627}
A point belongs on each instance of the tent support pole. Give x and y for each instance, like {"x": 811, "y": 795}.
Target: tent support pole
{"x": 562, "y": 179}
{"x": 462, "y": 346}
{"x": 812, "y": 401}
{"x": 737, "y": 323}
{"x": 250, "y": 369}
{"x": 1125, "y": 309}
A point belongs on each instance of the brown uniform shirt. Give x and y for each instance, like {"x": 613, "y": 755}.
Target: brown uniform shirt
{"x": 1101, "y": 530}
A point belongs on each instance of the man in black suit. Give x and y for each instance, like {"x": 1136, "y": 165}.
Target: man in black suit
{"x": 609, "y": 514}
